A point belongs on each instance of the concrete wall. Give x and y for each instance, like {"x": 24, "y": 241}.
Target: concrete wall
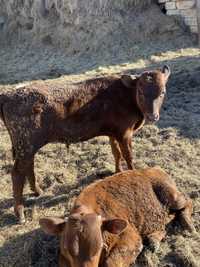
{"x": 184, "y": 8}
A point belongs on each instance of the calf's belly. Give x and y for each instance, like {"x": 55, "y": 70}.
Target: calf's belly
{"x": 74, "y": 132}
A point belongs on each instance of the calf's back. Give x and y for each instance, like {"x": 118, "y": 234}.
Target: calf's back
{"x": 128, "y": 195}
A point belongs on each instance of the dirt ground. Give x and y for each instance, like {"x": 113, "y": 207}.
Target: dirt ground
{"x": 173, "y": 144}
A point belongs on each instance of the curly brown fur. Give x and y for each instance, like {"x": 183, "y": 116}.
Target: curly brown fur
{"x": 127, "y": 205}
{"x": 112, "y": 106}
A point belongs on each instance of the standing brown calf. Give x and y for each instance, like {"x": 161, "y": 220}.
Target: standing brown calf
{"x": 134, "y": 206}
{"x": 115, "y": 107}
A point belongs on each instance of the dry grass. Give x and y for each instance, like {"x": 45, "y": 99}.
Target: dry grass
{"x": 75, "y": 25}
{"x": 174, "y": 144}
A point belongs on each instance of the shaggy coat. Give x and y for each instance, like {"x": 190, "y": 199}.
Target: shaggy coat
{"x": 112, "y": 106}
{"x": 134, "y": 206}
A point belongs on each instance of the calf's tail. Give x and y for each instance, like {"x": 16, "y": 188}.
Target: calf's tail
{"x": 3, "y": 99}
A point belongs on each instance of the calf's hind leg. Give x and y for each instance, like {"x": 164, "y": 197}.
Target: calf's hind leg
{"x": 126, "y": 148}
{"x": 185, "y": 216}
{"x": 169, "y": 195}
{"x": 183, "y": 207}
{"x": 19, "y": 172}
{"x": 32, "y": 179}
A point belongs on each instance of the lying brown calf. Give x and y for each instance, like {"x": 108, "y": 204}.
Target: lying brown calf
{"x": 112, "y": 106}
{"x": 132, "y": 205}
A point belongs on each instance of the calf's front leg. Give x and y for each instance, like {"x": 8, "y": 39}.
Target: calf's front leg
{"x": 154, "y": 240}
{"x": 125, "y": 251}
{"x": 117, "y": 154}
{"x": 126, "y": 148}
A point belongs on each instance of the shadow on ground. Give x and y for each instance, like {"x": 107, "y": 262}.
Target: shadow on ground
{"x": 25, "y": 63}
{"x": 66, "y": 193}
{"x": 42, "y": 250}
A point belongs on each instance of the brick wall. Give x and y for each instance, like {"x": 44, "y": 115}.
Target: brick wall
{"x": 184, "y": 8}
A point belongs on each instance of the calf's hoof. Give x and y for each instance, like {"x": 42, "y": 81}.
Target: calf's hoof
{"x": 19, "y": 212}
{"x": 119, "y": 170}
{"x": 185, "y": 217}
{"x": 38, "y": 192}
{"x": 22, "y": 220}
{"x": 154, "y": 239}
{"x": 186, "y": 223}
{"x": 153, "y": 245}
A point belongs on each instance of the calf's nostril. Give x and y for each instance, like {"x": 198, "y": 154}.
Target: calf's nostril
{"x": 153, "y": 117}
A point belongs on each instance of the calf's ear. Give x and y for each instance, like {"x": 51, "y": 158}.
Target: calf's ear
{"x": 52, "y": 225}
{"x": 128, "y": 80}
{"x": 115, "y": 226}
{"x": 166, "y": 70}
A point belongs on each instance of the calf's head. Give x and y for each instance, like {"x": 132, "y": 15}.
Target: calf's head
{"x": 150, "y": 89}
{"x": 81, "y": 236}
